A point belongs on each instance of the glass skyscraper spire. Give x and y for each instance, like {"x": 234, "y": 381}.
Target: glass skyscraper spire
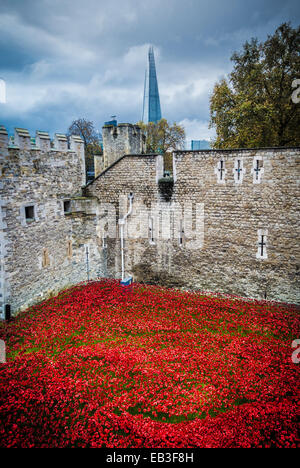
{"x": 151, "y": 102}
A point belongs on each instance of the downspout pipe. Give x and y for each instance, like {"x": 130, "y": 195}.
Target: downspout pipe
{"x": 122, "y": 224}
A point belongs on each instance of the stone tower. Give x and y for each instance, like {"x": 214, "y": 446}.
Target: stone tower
{"x": 124, "y": 138}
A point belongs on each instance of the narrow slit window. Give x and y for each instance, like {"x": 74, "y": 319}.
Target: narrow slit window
{"x": 104, "y": 241}
{"x": 151, "y": 231}
{"x": 69, "y": 249}
{"x": 220, "y": 171}
{"x": 262, "y": 244}
{"x": 45, "y": 258}
{"x": 238, "y": 171}
{"x": 181, "y": 233}
{"x": 257, "y": 170}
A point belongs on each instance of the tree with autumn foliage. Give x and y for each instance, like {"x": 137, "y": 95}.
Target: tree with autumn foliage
{"x": 162, "y": 137}
{"x": 253, "y": 107}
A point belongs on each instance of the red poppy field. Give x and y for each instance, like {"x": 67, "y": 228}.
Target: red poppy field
{"x": 103, "y": 366}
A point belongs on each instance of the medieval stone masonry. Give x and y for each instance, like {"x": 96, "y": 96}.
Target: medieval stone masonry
{"x": 40, "y": 189}
{"x": 119, "y": 140}
{"x": 225, "y": 220}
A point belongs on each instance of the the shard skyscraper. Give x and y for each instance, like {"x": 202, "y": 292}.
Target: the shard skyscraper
{"x": 151, "y": 102}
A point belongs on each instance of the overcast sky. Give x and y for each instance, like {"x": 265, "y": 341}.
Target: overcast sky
{"x": 65, "y": 59}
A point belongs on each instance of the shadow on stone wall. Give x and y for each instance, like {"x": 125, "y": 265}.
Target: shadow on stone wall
{"x": 143, "y": 273}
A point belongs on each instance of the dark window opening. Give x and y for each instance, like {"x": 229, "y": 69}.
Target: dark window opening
{"x": 67, "y": 206}
{"x": 238, "y": 169}
{"x": 29, "y": 213}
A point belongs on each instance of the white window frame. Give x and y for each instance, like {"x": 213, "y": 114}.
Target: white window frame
{"x": 260, "y": 233}
{"x": 257, "y": 178}
{"x": 218, "y": 171}
{"x": 238, "y": 180}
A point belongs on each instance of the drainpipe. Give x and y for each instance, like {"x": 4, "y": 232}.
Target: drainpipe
{"x": 122, "y": 224}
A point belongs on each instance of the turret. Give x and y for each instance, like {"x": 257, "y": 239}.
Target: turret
{"x": 124, "y": 138}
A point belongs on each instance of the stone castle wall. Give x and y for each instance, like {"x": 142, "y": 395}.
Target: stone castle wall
{"x": 256, "y": 195}
{"x": 44, "y": 254}
{"x": 228, "y": 222}
{"x": 237, "y": 213}
{"x": 131, "y": 173}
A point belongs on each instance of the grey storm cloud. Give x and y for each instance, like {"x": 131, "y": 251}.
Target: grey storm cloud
{"x": 65, "y": 59}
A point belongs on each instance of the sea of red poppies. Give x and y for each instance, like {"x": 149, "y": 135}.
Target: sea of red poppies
{"x": 101, "y": 365}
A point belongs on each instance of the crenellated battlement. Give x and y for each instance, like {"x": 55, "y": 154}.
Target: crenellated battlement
{"x": 22, "y": 140}
{"x": 40, "y": 182}
{"x": 24, "y": 155}
{"x": 122, "y": 128}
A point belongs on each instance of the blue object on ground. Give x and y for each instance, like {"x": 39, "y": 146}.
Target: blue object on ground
{"x": 127, "y": 281}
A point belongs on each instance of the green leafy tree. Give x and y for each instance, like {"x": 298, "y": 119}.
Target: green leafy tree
{"x": 253, "y": 107}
